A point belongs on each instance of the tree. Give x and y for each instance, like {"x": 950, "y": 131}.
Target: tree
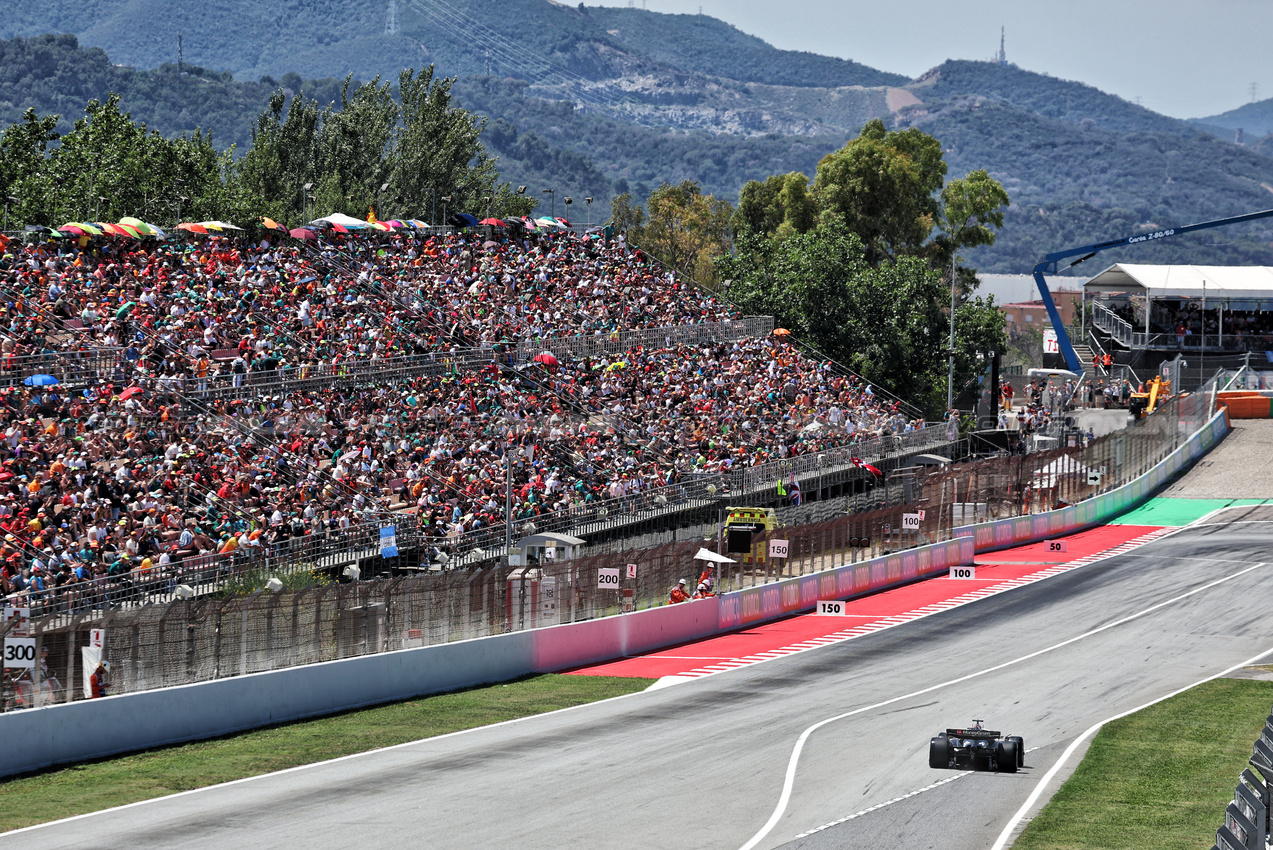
{"x": 779, "y": 207}
{"x": 883, "y": 186}
{"x": 352, "y": 148}
{"x": 23, "y": 148}
{"x": 283, "y": 157}
{"x": 887, "y": 322}
{"x": 686, "y": 229}
{"x": 625, "y": 216}
{"x": 437, "y": 149}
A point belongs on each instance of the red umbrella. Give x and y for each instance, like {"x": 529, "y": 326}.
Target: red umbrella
{"x": 545, "y": 357}
{"x": 339, "y": 228}
{"x": 302, "y": 233}
{"x": 6, "y": 475}
{"x": 129, "y": 393}
{"x": 493, "y": 222}
{"x": 861, "y": 464}
{"x": 193, "y": 228}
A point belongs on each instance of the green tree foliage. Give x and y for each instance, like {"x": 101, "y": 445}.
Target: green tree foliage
{"x": 436, "y": 148}
{"x": 684, "y": 228}
{"x": 400, "y": 157}
{"x": 107, "y": 166}
{"x": 884, "y": 321}
{"x": 882, "y": 185}
{"x": 853, "y": 266}
{"x": 781, "y": 206}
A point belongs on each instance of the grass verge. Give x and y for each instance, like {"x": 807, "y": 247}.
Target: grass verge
{"x": 1160, "y": 777}
{"x": 92, "y": 786}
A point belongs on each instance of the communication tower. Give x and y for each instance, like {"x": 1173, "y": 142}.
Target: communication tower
{"x": 391, "y": 23}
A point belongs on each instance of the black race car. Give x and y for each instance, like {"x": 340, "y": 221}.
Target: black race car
{"x": 976, "y": 749}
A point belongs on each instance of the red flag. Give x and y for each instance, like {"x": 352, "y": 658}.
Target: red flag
{"x": 861, "y": 464}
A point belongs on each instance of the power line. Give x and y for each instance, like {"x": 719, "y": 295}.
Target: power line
{"x": 539, "y": 68}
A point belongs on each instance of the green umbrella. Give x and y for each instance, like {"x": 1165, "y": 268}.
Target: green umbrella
{"x": 123, "y": 311}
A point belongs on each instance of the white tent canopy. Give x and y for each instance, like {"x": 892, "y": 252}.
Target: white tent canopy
{"x": 708, "y": 555}
{"x": 1193, "y": 282}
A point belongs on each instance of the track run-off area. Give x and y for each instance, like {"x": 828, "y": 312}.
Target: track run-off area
{"x": 809, "y": 732}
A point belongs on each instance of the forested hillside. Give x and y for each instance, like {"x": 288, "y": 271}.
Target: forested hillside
{"x": 1254, "y": 119}
{"x": 710, "y": 46}
{"x": 1078, "y": 164}
{"x": 55, "y": 75}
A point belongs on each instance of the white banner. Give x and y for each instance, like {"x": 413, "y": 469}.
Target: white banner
{"x": 778, "y": 548}
{"x": 910, "y": 522}
{"x": 608, "y": 578}
{"x": 1050, "y": 344}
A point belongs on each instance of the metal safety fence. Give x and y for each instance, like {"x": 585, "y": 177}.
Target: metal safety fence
{"x": 1247, "y": 824}
{"x": 194, "y": 624}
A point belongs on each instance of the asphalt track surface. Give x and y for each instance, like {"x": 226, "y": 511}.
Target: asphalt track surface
{"x": 702, "y": 764}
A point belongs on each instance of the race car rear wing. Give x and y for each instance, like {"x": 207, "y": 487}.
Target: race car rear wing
{"x": 987, "y": 734}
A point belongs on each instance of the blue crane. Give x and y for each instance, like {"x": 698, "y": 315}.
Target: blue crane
{"x": 1050, "y": 265}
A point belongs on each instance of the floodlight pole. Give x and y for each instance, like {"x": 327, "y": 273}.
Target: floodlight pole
{"x": 950, "y": 378}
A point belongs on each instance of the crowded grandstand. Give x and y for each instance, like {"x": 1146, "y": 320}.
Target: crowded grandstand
{"x": 196, "y": 399}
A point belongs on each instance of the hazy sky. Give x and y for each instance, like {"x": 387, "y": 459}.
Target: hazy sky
{"x": 1181, "y": 57}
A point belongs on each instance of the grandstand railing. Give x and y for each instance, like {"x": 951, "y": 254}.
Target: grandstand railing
{"x": 69, "y": 367}
{"x": 578, "y": 347}
{"x": 754, "y": 478}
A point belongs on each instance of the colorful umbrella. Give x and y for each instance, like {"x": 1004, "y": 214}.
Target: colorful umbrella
{"x": 781, "y": 332}
{"x": 130, "y": 230}
{"x": 79, "y": 228}
{"x": 219, "y": 225}
{"x": 545, "y": 357}
{"x": 271, "y": 224}
{"x": 129, "y": 393}
{"x": 302, "y": 233}
{"x": 191, "y": 227}
{"x": 40, "y": 381}
{"x": 393, "y": 222}
{"x": 493, "y": 222}
{"x": 416, "y": 223}
{"x": 339, "y": 228}
{"x": 141, "y": 226}
{"x": 379, "y": 225}
{"x": 547, "y": 221}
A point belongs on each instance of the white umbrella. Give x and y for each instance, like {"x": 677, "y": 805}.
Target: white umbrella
{"x": 708, "y": 555}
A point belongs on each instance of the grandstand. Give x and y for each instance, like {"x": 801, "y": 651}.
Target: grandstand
{"x": 174, "y": 411}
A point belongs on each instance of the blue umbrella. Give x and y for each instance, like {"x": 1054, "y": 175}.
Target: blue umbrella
{"x": 40, "y": 381}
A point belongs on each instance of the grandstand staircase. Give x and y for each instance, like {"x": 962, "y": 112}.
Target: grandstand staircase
{"x": 1085, "y": 353}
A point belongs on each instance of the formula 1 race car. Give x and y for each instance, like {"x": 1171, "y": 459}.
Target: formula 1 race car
{"x": 976, "y": 749}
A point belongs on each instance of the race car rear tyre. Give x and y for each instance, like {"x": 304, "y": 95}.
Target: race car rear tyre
{"x": 1006, "y": 756}
{"x": 939, "y": 752}
{"x": 1020, "y": 742}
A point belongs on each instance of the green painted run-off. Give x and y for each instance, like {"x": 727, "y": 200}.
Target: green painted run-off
{"x": 1177, "y": 512}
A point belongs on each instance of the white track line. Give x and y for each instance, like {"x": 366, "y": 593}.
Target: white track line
{"x": 960, "y": 775}
{"x": 790, "y": 778}
{"x": 1006, "y": 835}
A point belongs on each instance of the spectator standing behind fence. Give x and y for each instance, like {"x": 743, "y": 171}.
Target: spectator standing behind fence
{"x": 97, "y": 682}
